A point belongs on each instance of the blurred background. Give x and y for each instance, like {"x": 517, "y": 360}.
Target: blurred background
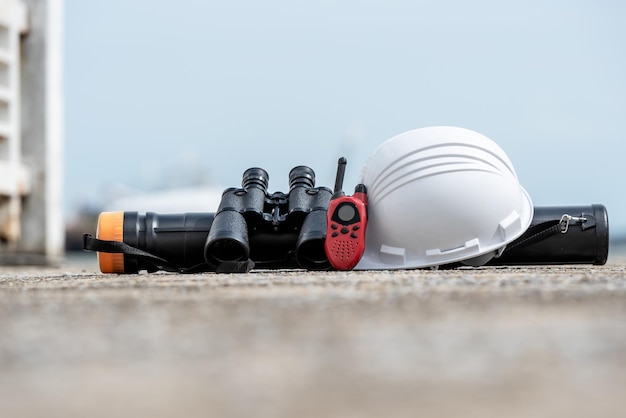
{"x": 167, "y": 103}
{"x": 163, "y": 94}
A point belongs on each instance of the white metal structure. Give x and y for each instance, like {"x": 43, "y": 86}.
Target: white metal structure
{"x": 31, "y": 114}
{"x": 14, "y": 182}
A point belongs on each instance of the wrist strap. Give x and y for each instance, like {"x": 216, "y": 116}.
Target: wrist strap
{"x": 94, "y": 244}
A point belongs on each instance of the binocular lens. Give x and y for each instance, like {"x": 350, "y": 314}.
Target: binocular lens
{"x": 227, "y": 250}
{"x": 228, "y": 238}
{"x": 311, "y": 255}
{"x": 310, "y": 252}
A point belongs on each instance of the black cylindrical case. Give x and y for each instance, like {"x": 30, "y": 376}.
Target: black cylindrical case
{"x": 585, "y": 240}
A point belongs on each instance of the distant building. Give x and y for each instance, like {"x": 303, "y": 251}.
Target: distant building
{"x": 31, "y": 132}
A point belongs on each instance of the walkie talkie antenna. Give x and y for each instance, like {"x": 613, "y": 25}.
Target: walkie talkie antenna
{"x": 341, "y": 171}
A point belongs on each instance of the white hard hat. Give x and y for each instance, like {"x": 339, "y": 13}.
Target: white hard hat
{"x": 441, "y": 195}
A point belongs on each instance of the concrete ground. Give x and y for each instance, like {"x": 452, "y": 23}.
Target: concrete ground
{"x": 489, "y": 342}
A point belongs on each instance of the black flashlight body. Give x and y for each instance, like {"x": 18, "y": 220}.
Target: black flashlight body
{"x": 177, "y": 238}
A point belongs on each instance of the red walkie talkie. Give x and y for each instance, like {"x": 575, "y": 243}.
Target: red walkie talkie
{"x": 346, "y": 221}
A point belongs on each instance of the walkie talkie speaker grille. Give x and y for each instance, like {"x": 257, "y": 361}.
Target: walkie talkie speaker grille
{"x": 440, "y": 195}
{"x": 344, "y": 250}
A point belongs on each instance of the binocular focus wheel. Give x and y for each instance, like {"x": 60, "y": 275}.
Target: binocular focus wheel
{"x": 111, "y": 228}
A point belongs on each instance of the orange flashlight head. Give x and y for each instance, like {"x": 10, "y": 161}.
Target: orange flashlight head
{"x": 111, "y": 228}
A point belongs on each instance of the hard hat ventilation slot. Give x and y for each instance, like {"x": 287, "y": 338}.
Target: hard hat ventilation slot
{"x": 471, "y": 245}
{"x": 510, "y": 226}
{"x": 392, "y": 255}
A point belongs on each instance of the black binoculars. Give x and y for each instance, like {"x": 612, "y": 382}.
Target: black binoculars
{"x": 269, "y": 229}
{"x": 255, "y": 229}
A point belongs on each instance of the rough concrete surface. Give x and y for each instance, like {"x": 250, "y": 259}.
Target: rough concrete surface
{"x": 505, "y": 342}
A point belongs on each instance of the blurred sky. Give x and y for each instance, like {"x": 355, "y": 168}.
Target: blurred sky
{"x": 159, "y": 92}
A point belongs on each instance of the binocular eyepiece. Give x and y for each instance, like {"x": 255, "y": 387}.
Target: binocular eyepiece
{"x": 301, "y": 176}
{"x": 255, "y": 177}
